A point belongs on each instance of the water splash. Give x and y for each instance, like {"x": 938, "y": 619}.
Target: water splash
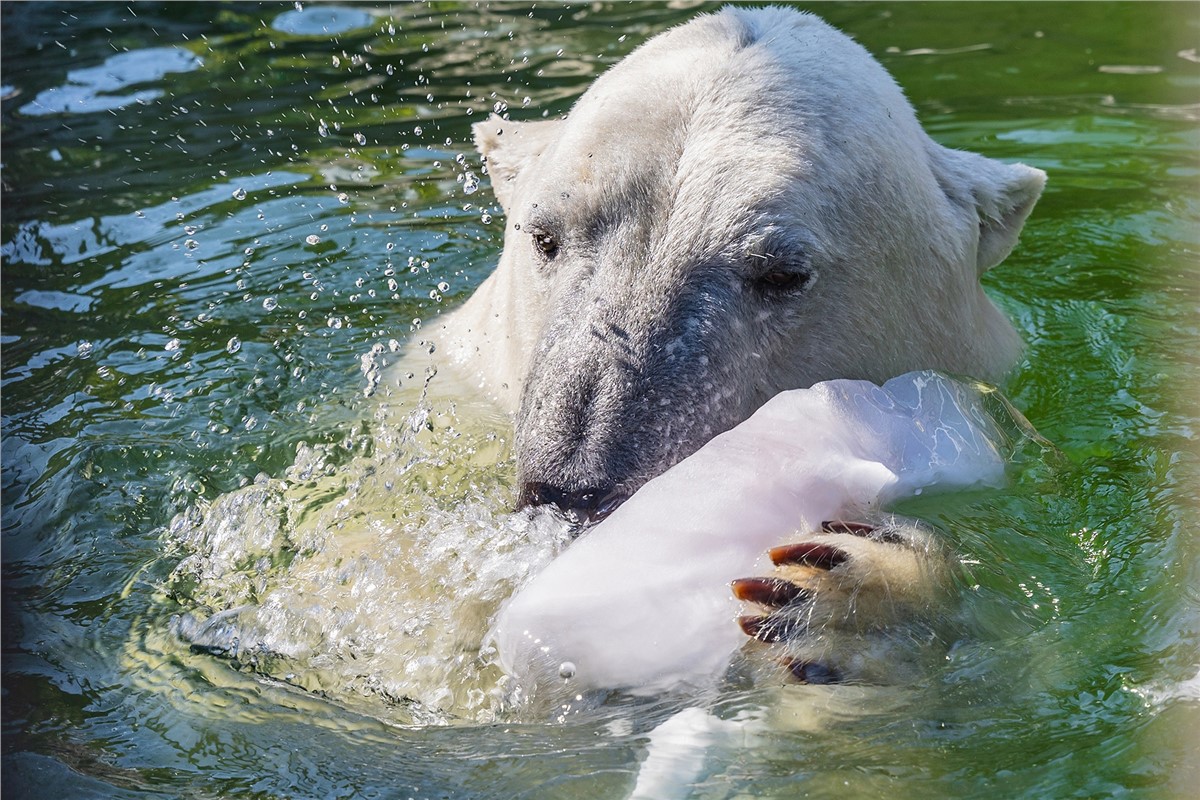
{"x": 371, "y": 578}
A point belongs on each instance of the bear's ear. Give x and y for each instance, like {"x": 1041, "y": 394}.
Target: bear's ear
{"x": 509, "y": 147}
{"x": 998, "y": 195}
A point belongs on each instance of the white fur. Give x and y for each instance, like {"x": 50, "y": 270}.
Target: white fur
{"x": 683, "y": 156}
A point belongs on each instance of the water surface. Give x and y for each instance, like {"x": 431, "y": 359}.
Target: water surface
{"x": 220, "y": 221}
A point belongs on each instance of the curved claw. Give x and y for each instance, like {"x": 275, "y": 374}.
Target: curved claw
{"x": 811, "y": 672}
{"x": 864, "y": 529}
{"x": 769, "y": 627}
{"x": 774, "y": 592}
{"x": 842, "y": 526}
{"x": 812, "y": 554}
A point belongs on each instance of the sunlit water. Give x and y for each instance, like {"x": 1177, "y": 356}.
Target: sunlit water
{"x": 245, "y": 555}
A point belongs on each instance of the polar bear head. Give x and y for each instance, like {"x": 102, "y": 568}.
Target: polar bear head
{"x": 745, "y": 205}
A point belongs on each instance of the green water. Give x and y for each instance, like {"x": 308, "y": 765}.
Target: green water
{"x": 171, "y": 332}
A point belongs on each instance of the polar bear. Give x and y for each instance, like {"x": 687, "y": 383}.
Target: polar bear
{"x": 744, "y": 205}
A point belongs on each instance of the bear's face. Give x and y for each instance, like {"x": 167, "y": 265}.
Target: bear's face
{"x": 722, "y": 217}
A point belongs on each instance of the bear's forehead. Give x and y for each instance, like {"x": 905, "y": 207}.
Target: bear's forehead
{"x": 665, "y": 175}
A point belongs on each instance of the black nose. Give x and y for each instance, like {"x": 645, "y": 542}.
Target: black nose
{"x": 582, "y": 506}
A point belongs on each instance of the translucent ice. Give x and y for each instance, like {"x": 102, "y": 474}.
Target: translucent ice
{"x": 643, "y": 603}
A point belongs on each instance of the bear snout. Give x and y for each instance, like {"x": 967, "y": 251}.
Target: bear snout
{"x": 581, "y": 507}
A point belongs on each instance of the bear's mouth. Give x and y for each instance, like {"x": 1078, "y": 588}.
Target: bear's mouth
{"x": 582, "y": 508}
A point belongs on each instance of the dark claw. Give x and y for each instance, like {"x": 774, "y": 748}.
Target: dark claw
{"x": 853, "y": 528}
{"x": 811, "y": 672}
{"x": 774, "y": 592}
{"x": 821, "y": 556}
{"x": 863, "y": 529}
{"x": 769, "y": 628}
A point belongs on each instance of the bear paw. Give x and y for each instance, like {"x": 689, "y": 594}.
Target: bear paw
{"x": 839, "y": 596}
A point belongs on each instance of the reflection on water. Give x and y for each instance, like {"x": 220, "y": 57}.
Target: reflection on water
{"x": 217, "y": 219}
{"x": 99, "y": 88}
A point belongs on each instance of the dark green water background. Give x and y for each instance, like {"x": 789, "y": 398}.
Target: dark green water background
{"x": 169, "y": 333}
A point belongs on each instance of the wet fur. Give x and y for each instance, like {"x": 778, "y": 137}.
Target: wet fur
{"x": 742, "y": 142}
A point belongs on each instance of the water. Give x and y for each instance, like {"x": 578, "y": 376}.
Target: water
{"x": 216, "y": 220}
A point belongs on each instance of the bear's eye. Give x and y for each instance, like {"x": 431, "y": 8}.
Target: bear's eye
{"x": 784, "y": 281}
{"x": 546, "y": 244}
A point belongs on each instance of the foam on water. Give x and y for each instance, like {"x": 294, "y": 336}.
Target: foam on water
{"x": 370, "y": 579}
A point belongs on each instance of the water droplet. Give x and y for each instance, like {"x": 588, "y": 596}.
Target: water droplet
{"x": 270, "y": 304}
{"x": 343, "y": 198}
{"x": 392, "y": 285}
{"x": 189, "y": 229}
{"x": 358, "y": 137}
{"x": 172, "y": 345}
{"x": 559, "y": 53}
{"x": 418, "y": 130}
{"x": 525, "y": 101}
{"x": 233, "y": 345}
{"x": 239, "y": 193}
{"x": 84, "y": 349}
{"x": 191, "y": 244}
{"x": 443, "y": 287}
{"x": 322, "y": 128}
{"x": 566, "y": 670}
{"x": 500, "y": 107}
{"x": 485, "y": 218}
{"x": 334, "y": 322}
{"x": 470, "y": 183}
{"x": 312, "y": 238}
